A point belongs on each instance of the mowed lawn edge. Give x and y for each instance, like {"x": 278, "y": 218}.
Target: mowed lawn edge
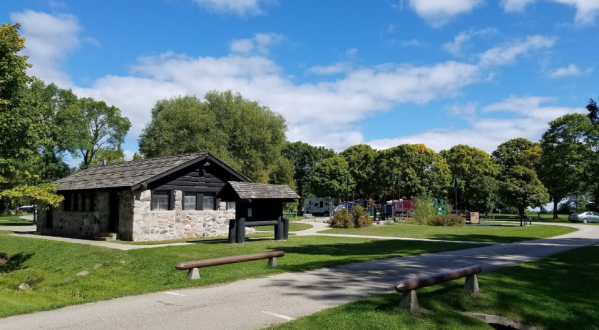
{"x": 539, "y": 293}
{"x": 471, "y": 233}
{"x": 50, "y": 267}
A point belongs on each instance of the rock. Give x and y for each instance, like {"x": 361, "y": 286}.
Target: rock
{"x": 68, "y": 280}
{"x": 96, "y": 266}
{"x": 82, "y": 273}
{"x": 23, "y": 286}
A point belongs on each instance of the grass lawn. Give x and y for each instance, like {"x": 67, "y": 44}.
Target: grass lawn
{"x": 207, "y": 239}
{"x": 14, "y": 220}
{"x": 540, "y": 293}
{"x": 45, "y": 264}
{"x": 293, "y": 226}
{"x": 478, "y": 233}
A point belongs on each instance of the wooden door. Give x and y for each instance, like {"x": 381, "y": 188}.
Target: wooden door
{"x": 113, "y": 218}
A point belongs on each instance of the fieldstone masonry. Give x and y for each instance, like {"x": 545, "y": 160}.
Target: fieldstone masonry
{"x": 137, "y": 222}
{"x": 165, "y": 225}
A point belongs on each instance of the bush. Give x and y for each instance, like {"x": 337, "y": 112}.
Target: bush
{"x": 425, "y": 210}
{"x": 341, "y": 219}
{"x": 360, "y": 217}
{"x": 450, "y": 220}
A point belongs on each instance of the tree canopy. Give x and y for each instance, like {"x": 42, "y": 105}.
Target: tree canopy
{"x": 328, "y": 179}
{"x": 304, "y": 158}
{"x": 243, "y": 133}
{"x": 522, "y": 189}
{"x": 361, "y": 160}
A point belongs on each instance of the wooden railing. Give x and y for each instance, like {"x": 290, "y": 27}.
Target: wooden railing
{"x": 193, "y": 267}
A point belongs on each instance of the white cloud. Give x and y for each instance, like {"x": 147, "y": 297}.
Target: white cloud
{"x": 238, "y": 7}
{"x": 570, "y": 70}
{"x": 339, "y": 67}
{"x": 468, "y": 109}
{"x": 507, "y": 53}
{"x": 324, "y": 112}
{"x": 49, "y": 40}
{"x": 440, "y": 12}
{"x": 456, "y": 46}
{"x": 487, "y": 133}
{"x": 260, "y": 43}
{"x": 128, "y": 154}
{"x": 586, "y": 10}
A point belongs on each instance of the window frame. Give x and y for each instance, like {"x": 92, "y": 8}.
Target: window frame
{"x": 156, "y": 193}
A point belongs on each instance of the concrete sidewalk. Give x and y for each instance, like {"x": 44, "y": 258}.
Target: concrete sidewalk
{"x": 257, "y": 303}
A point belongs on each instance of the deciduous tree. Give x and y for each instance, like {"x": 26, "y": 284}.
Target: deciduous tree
{"x": 304, "y": 158}
{"x": 522, "y": 189}
{"x": 361, "y": 160}
{"x": 328, "y": 179}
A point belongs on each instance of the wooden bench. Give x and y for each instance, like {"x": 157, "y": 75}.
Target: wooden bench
{"x": 308, "y": 216}
{"x": 409, "y": 300}
{"x": 193, "y": 267}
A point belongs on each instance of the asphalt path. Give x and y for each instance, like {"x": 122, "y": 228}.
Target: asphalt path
{"x": 258, "y": 303}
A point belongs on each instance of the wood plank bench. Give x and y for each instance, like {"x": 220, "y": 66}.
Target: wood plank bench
{"x": 409, "y": 300}
{"x": 193, "y": 267}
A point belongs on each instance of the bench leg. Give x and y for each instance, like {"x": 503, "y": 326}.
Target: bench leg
{"x": 471, "y": 284}
{"x": 193, "y": 274}
{"x": 409, "y": 301}
{"x": 272, "y": 262}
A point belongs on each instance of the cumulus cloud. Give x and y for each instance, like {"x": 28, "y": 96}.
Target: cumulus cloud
{"x": 49, "y": 40}
{"x": 487, "y": 133}
{"x": 468, "y": 109}
{"x": 570, "y": 70}
{"x": 507, "y": 53}
{"x": 325, "y": 112}
{"x": 586, "y": 10}
{"x": 438, "y": 13}
{"x": 260, "y": 43}
{"x": 237, "y": 7}
{"x": 459, "y": 41}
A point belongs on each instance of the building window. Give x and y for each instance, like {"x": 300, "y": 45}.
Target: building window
{"x": 189, "y": 201}
{"x": 208, "y": 202}
{"x": 231, "y": 206}
{"x": 67, "y": 201}
{"x": 160, "y": 200}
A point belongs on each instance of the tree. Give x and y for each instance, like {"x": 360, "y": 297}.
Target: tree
{"x": 283, "y": 173}
{"x": 593, "y": 111}
{"x": 361, "y": 160}
{"x": 517, "y": 151}
{"x": 100, "y": 128}
{"x": 243, "y": 133}
{"x": 522, "y": 189}
{"x": 422, "y": 171}
{"x": 476, "y": 172}
{"x": 304, "y": 158}
{"x": 328, "y": 179}
{"x": 23, "y": 131}
{"x": 566, "y": 157}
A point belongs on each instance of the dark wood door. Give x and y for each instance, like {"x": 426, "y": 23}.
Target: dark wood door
{"x": 113, "y": 219}
{"x": 49, "y": 218}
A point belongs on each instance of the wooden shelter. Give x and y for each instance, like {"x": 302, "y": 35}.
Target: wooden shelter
{"x": 257, "y": 205}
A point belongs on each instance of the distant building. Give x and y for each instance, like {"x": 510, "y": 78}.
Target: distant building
{"x": 144, "y": 200}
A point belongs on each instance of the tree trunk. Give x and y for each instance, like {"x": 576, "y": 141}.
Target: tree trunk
{"x": 521, "y": 211}
{"x": 555, "y": 202}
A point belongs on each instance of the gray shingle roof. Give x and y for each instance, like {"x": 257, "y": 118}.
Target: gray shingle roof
{"x": 126, "y": 174}
{"x": 247, "y": 190}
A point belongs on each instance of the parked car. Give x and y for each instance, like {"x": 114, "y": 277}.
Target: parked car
{"x": 584, "y": 217}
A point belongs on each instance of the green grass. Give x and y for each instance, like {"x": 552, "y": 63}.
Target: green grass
{"x": 13, "y": 220}
{"x": 558, "y": 292}
{"x": 199, "y": 240}
{"x": 478, "y": 233}
{"x": 561, "y": 218}
{"x": 293, "y": 226}
{"x": 44, "y": 265}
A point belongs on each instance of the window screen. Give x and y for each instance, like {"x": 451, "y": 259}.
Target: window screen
{"x": 189, "y": 201}
{"x": 160, "y": 200}
{"x": 208, "y": 202}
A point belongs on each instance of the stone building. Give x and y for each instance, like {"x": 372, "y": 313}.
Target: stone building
{"x": 144, "y": 200}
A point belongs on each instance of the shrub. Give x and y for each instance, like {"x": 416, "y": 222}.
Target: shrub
{"x": 341, "y": 219}
{"x": 450, "y": 220}
{"x": 425, "y": 210}
{"x": 360, "y": 217}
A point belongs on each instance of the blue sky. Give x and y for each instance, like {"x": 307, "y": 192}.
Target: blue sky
{"x": 341, "y": 72}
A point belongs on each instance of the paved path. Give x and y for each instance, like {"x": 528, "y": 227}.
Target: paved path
{"x": 257, "y": 303}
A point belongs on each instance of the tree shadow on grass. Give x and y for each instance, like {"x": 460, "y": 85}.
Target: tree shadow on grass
{"x": 15, "y": 223}
{"x": 15, "y": 262}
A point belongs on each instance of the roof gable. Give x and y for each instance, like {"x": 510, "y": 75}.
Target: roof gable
{"x": 245, "y": 191}
{"x": 134, "y": 174}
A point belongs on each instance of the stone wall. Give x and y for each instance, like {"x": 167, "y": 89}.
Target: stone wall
{"x": 149, "y": 225}
{"x": 78, "y": 224}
